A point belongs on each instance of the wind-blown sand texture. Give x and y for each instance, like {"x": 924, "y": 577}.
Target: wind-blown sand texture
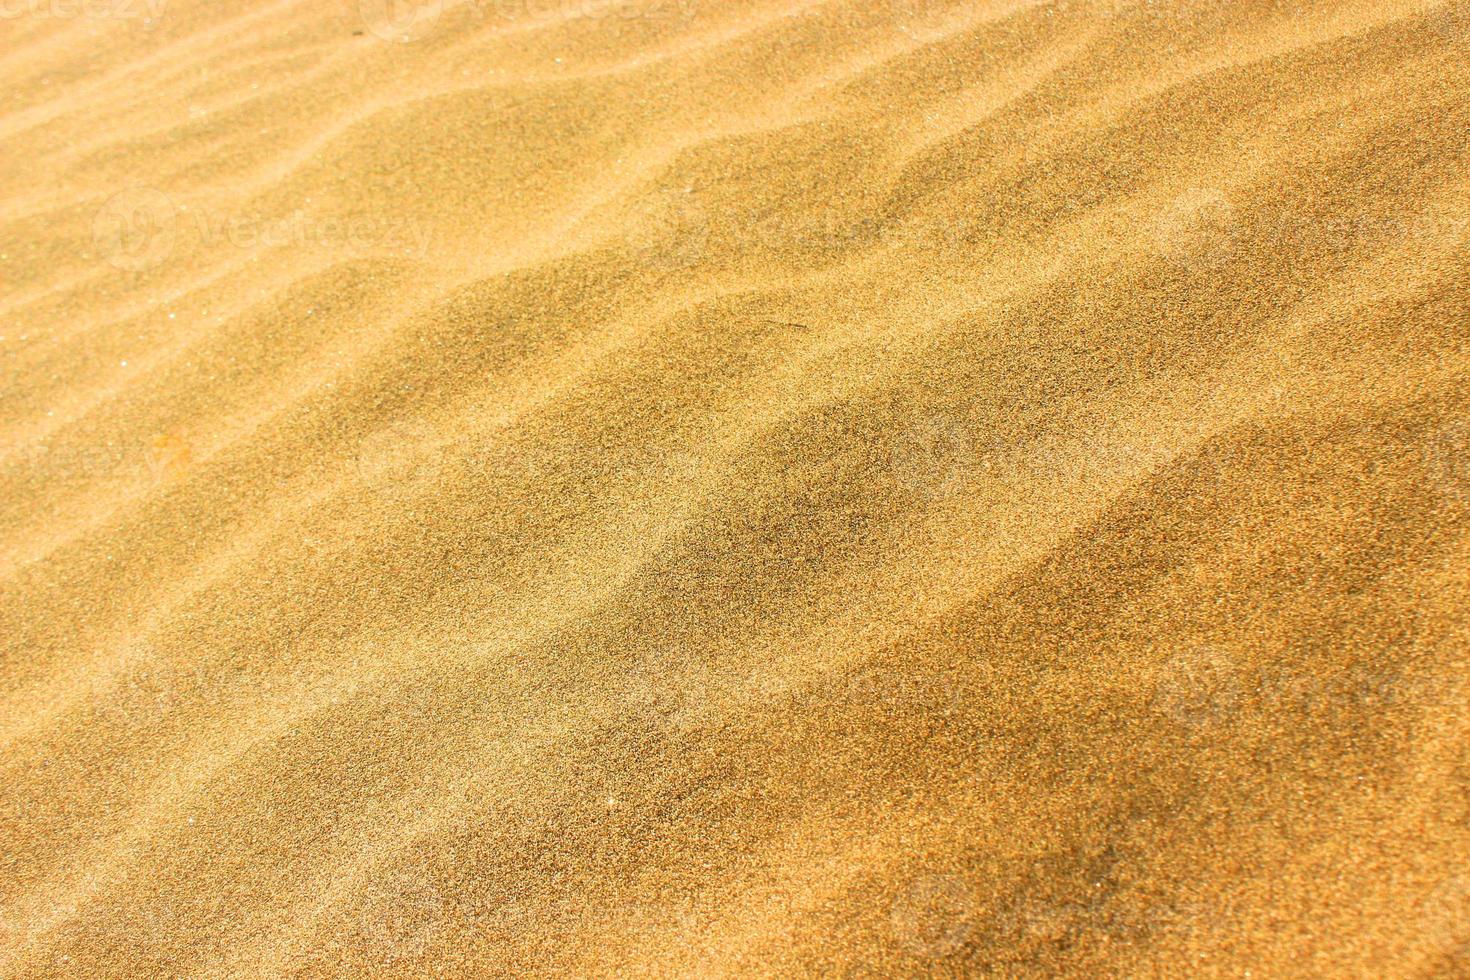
{"x": 735, "y": 488}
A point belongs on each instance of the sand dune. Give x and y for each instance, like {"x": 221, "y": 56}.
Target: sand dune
{"x": 677, "y": 488}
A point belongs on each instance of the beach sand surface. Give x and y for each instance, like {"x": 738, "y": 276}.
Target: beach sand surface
{"x": 734, "y": 488}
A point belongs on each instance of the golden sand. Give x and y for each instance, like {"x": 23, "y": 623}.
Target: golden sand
{"x": 735, "y": 488}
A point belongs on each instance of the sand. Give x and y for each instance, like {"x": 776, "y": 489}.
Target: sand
{"x": 734, "y": 488}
